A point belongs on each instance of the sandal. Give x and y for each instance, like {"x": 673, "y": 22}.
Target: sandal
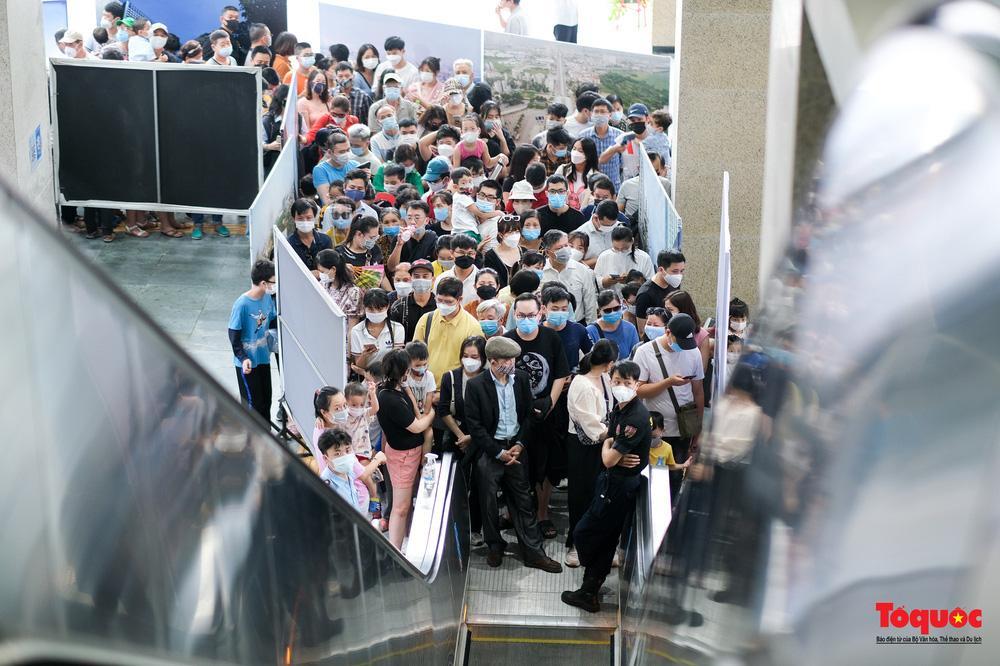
{"x": 110, "y": 238}
{"x": 548, "y": 529}
{"x": 136, "y": 231}
{"x": 172, "y": 233}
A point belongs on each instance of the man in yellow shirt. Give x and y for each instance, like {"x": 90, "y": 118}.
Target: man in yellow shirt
{"x": 445, "y": 329}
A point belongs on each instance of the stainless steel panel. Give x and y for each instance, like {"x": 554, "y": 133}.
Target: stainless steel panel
{"x": 145, "y": 512}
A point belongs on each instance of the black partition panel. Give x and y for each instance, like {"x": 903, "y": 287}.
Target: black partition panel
{"x": 106, "y": 131}
{"x": 158, "y": 136}
{"x": 209, "y": 150}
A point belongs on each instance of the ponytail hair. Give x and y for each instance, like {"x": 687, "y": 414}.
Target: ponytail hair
{"x": 322, "y": 397}
{"x": 623, "y": 233}
{"x": 604, "y": 351}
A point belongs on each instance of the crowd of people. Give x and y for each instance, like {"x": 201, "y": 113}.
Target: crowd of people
{"x": 499, "y": 303}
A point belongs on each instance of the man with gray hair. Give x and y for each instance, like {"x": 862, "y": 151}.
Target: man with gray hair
{"x": 464, "y": 74}
{"x": 360, "y": 137}
{"x": 490, "y": 315}
{"x": 497, "y": 407}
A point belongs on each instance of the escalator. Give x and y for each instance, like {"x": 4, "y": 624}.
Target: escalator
{"x": 148, "y": 518}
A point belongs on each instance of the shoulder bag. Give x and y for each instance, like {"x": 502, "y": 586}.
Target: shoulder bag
{"x": 688, "y": 418}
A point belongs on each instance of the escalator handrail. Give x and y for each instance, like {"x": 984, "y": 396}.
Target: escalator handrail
{"x": 250, "y": 420}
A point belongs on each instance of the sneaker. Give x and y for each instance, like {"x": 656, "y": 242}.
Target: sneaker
{"x": 545, "y": 563}
{"x": 494, "y": 558}
{"x": 477, "y": 539}
{"x": 572, "y": 560}
{"x": 619, "y": 558}
{"x": 110, "y": 238}
{"x": 222, "y": 230}
{"x": 197, "y": 233}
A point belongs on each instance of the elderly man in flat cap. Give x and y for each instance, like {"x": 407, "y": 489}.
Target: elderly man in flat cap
{"x": 497, "y": 404}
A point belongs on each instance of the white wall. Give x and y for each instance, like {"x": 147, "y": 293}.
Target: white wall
{"x": 24, "y": 103}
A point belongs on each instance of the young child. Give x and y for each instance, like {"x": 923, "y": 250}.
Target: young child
{"x": 466, "y": 217}
{"x": 421, "y": 381}
{"x": 362, "y": 406}
{"x": 342, "y": 471}
{"x": 330, "y": 407}
{"x": 444, "y": 258}
{"x": 661, "y": 454}
{"x": 472, "y": 146}
{"x": 476, "y": 168}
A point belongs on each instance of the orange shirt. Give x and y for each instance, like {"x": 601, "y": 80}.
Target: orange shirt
{"x": 282, "y": 65}
{"x": 302, "y": 78}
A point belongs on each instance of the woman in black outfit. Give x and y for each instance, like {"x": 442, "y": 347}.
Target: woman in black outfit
{"x": 451, "y": 409}
{"x": 505, "y": 258}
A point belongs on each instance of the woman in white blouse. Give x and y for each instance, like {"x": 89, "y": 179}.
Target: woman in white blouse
{"x": 589, "y": 402}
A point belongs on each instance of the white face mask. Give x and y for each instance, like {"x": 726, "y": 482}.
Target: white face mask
{"x": 344, "y": 464}
{"x": 623, "y": 393}
{"x": 576, "y": 157}
{"x": 324, "y": 279}
{"x": 738, "y": 326}
{"x": 512, "y": 239}
{"x": 403, "y": 289}
{"x": 421, "y": 285}
{"x": 70, "y": 52}
{"x": 271, "y": 289}
{"x": 305, "y": 226}
{"x": 394, "y": 58}
{"x": 357, "y": 412}
{"x": 446, "y": 310}
{"x": 471, "y": 364}
{"x": 370, "y": 63}
{"x": 576, "y": 255}
{"x": 376, "y": 317}
{"x": 674, "y": 280}
{"x": 456, "y": 98}
{"x": 446, "y": 150}
{"x": 426, "y": 77}
{"x": 158, "y": 42}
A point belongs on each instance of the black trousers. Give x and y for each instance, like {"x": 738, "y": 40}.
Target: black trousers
{"x": 491, "y": 475}
{"x": 681, "y": 446}
{"x": 565, "y": 33}
{"x": 584, "y": 464}
{"x": 99, "y": 219}
{"x": 546, "y": 454}
{"x": 596, "y": 535}
{"x": 255, "y": 389}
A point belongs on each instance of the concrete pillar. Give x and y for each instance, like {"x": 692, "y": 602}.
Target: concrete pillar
{"x": 664, "y": 26}
{"x": 24, "y": 105}
{"x": 722, "y": 105}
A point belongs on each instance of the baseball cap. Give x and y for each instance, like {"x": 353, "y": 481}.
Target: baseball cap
{"x": 392, "y": 76}
{"x": 681, "y": 326}
{"x": 71, "y": 36}
{"x": 128, "y": 22}
{"x": 436, "y": 168}
{"x": 158, "y": 26}
{"x": 421, "y": 263}
{"x": 385, "y": 196}
{"x": 638, "y": 110}
{"x": 522, "y": 189}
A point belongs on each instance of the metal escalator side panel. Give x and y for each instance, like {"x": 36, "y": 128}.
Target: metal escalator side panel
{"x": 148, "y": 513}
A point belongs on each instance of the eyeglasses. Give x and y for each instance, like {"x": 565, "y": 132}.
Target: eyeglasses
{"x": 518, "y": 315}
{"x": 611, "y": 310}
{"x": 558, "y": 191}
{"x": 510, "y": 218}
{"x": 488, "y": 197}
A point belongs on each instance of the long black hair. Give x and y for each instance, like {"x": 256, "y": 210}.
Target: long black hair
{"x": 590, "y": 152}
{"x": 477, "y": 341}
{"x": 395, "y": 365}
{"x": 604, "y": 351}
{"x": 330, "y": 258}
{"x": 322, "y": 398}
{"x": 519, "y": 160}
{"x": 620, "y": 233}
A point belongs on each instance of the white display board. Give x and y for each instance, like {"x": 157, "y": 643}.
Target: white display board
{"x": 316, "y": 348}
{"x": 722, "y": 293}
{"x": 658, "y": 219}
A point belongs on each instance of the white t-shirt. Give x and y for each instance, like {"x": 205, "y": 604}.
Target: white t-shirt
{"x": 381, "y": 145}
{"x": 615, "y": 263}
{"x": 566, "y": 12}
{"x": 461, "y": 218}
{"x": 517, "y": 24}
{"x": 685, "y": 363}
{"x": 386, "y": 341}
{"x": 574, "y": 126}
{"x": 408, "y": 73}
{"x": 468, "y": 284}
{"x": 599, "y": 240}
{"x": 140, "y": 50}
{"x": 422, "y": 387}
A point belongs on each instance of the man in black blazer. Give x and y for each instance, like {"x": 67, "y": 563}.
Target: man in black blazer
{"x": 497, "y": 404}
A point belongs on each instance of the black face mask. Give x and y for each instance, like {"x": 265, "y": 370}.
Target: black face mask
{"x": 638, "y": 128}
{"x": 486, "y": 292}
{"x": 232, "y": 25}
{"x": 464, "y": 261}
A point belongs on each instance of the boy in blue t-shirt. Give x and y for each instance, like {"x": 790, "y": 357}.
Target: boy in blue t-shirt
{"x": 558, "y": 317}
{"x": 250, "y": 323}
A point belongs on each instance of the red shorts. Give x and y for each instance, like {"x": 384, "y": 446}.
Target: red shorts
{"x": 402, "y": 467}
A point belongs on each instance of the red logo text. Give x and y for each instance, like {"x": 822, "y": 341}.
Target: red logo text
{"x": 923, "y": 618}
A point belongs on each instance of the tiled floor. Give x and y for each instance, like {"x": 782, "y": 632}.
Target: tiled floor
{"x": 187, "y": 287}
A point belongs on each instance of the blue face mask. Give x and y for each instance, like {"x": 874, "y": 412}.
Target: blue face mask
{"x": 531, "y": 234}
{"x": 355, "y": 195}
{"x": 611, "y": 317}
{"x": 403, "y": 213}
{"x": 540, "y": 273}
{"x": 527, "y": 326}
{"x": 562, "y": 153}
{"x": 440, "y": 214}
{"x": 557, "y": 319}
{"x": 390, "y": 231}
{"x": 357, "y": 151}
{"x": 342, "y": 223}
{"x": 390, "y": 124}
{"x": 675, "y": 347}
{"x": 392, "y": 94}
{"x": 462, "y": 80}
{"x": 557, "y": 200}
{"x": 121, "y": 35}
{"x": 485, "y": 206}
{"x": 308, "y": 61}
{"x": 653, "y": 332}
{"x": 489, "y": 327}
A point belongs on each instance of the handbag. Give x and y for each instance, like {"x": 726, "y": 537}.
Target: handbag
{"x": 688, "y": 418}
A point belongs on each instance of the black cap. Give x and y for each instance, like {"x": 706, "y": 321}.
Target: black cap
{"x": 681, "y": 326}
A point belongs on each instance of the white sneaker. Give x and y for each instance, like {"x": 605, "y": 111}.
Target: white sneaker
{"x": 619, "y": 557}
{"x": 572, "y": 560}
{"x": 477, "y": 539}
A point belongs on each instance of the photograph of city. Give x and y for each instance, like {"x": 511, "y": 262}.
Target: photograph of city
{"x": 527, "y": 74}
